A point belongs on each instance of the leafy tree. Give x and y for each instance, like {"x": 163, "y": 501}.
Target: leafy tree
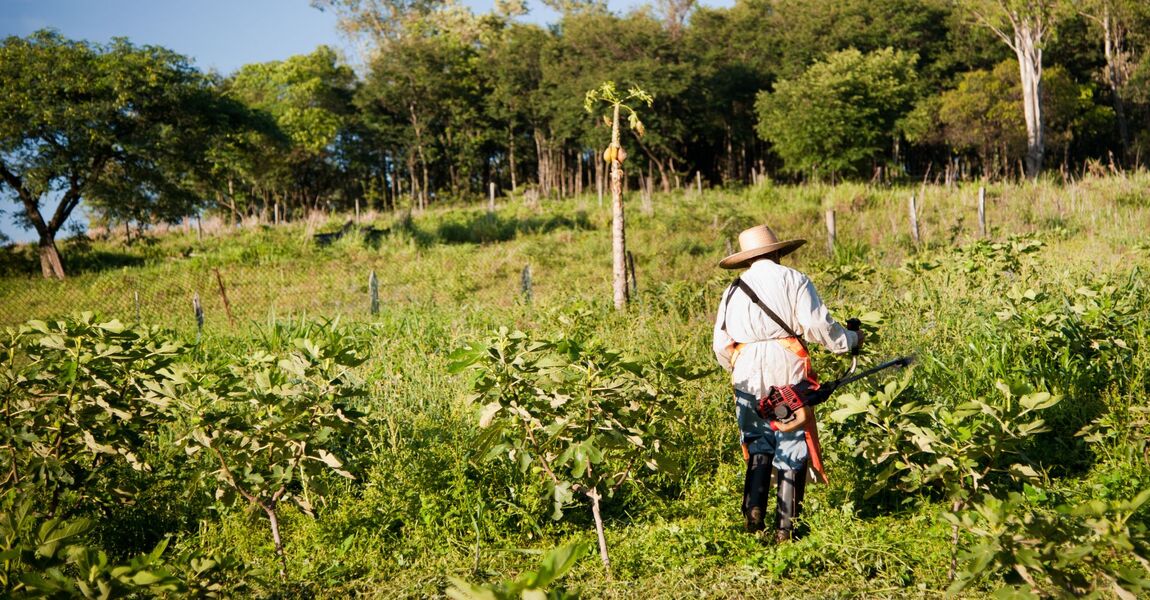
{"x": 840, "y": 115}
{"x": 512, "y": 67}
{"x": 426, "y": 81}
{"x": 915, "y": 445}
{"x": 809, "y": 30}
{"x": 1116, "y": 21}
{"x": 309, "y": 99}
{"x": 727, "y": 78}
{"x": 982, "y": 115}
{"x": 82, "y": 397}
{"x": 1075, "y": 550}
{"x": 47, "y": 558}
{"x": 634, "y": 50}
{"x": 377, "y": 21}
{"x": 82, "y": 121}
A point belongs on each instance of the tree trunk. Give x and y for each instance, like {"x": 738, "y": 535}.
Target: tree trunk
{"x": 511, "y": 155}
{"x": 1111, "y": 47}
{"x": 955, "y": 507}
{"x": 275, "y": 525}
{"x": 50, "y": 264}
{"x": 1029, "y": 54}
{"x": 618, "y": 235}
{"x": 415, "y": 124}
{"x": 594, "y": 496}
{"x": 452, "y": 172}
{"x": 541, "y": 160}
{"x": 564, "y": 188}
{"x": 579, "y": 173}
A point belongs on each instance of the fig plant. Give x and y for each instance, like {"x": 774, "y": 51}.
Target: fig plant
{"x": 582, "y": 416}
{"x": 48, "y": 558}
{"x": 915, "y": 445}
{"x": 80, "y": 396}
{"x": 274, "y": 422}
{"x": 1074, "y": 550}
{"x": 531, "y": 584}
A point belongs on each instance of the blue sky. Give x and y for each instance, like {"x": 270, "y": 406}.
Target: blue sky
{"x": 220, "y": 35}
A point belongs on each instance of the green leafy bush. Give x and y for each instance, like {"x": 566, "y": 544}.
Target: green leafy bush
{"x": 582, "y": 416}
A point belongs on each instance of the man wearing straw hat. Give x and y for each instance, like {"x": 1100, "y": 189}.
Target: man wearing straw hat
{"x": 762, "y": 321}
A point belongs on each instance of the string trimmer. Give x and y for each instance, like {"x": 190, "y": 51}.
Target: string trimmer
{"x": 783, "y": 405}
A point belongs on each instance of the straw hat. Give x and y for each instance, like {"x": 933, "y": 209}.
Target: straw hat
{"x": 755, "y": 242}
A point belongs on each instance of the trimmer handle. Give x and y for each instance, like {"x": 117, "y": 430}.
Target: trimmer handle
{"x": 853, "y": 324}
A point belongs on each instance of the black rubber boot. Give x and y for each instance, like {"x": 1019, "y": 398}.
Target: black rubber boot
{"x": 792, "y": 486}
{"x": 755, "y": 497}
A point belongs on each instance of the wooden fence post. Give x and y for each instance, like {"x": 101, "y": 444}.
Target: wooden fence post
{"x": 914, "y": 221}
{"x": 831, "y": 231}
{"x": 224, "y": 295}
{"x": 525, "y": 283}
{"x": 491, "y": 197}
{"x": 699, "y": 182}
{"x": 982, "y": 211}
{"x": 357, "y": 211}
{"x": 599, "y": 178}
{"x": 631, "y": 270}
{"x": 373, "y": 289}
{"x": 198, "y": 310}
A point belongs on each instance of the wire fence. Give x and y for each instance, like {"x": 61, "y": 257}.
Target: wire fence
{"x": 196, "y": 298}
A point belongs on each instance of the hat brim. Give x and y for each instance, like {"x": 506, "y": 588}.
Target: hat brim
{"x": 739, "y": 260}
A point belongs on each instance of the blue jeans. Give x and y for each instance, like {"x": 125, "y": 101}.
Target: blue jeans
{"x": 789, "y": 449}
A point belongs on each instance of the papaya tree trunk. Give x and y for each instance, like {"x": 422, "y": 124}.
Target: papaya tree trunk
{"x": 618, "y": 230}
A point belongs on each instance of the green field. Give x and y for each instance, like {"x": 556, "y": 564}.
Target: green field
{"x": 1053, "y": 298}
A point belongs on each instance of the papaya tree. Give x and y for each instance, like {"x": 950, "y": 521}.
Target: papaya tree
{"x": 581, "y": 416}
{"x": 614, "y": 156}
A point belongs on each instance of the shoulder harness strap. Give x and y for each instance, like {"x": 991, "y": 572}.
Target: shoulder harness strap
{"x": 742, "y": 285}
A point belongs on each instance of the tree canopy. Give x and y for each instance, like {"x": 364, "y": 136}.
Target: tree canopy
{"x": 841, "y": 114}
{"x": 447, "y": 103}
{"x": 123, "y": 127}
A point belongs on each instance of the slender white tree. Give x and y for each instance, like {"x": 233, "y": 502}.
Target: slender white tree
{"x": 1025, "y": 26}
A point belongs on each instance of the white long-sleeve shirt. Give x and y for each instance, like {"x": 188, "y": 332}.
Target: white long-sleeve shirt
{"x": 763, "y": 361}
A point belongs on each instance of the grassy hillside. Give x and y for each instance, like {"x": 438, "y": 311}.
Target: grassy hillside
{"x": 1053, "y": 299}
